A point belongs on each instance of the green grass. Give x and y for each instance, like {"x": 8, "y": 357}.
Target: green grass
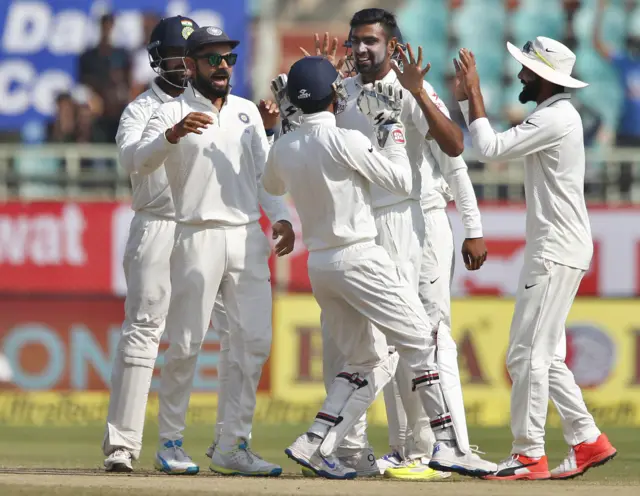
{"x": 80, "y": 447}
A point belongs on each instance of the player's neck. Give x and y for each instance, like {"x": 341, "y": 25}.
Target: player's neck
{"x": 370, "y": 78}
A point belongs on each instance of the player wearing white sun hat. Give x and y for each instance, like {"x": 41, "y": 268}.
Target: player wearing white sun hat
{"x": 558, "y": 253}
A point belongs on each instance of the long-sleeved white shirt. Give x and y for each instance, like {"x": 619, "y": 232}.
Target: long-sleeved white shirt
{"x": 328, "y": 172}
{"x": 150, "y": 192}
{"x": 215, "y": 177}
{"x": 429, "y": 163}
{"x": 551, "y": 142}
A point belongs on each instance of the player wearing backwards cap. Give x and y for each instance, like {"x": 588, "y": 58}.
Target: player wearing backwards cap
{"x": 374, "y": 38}
{"x": 557, "y": 254}
{"x": 329, "y": 172}
{"x": 214, "y": 149}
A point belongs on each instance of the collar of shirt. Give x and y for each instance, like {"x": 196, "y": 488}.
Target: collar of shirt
{"x": 324, "y": 118}
{"x": 164, "y": 97}
{"x": 553, "y": 99}
{"x": 193, "y": 95}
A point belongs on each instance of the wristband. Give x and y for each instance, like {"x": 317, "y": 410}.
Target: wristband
{"x": 270, "y": 132}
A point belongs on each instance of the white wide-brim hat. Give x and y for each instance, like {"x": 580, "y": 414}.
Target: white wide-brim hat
{"x": 549, "y": 59}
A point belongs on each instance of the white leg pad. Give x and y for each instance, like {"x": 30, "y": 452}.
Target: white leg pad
{"x": 364, "y": 392}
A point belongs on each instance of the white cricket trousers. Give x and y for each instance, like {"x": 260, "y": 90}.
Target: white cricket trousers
{"x": 401, "y": 233}
{"x": 436, "y": 272}
{"x": 206, "y": 259}
{"x": 360, "y": 286}
{"x": 536, "y": 355}
{"x": 146, "y": 269}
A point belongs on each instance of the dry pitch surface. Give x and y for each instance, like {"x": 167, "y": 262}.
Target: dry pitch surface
{"x": 66, "y": 461}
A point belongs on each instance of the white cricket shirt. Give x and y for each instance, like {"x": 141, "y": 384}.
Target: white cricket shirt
{"x": 149, "y": 192}
{"x": 551, "y": 142}
{"x": 328, "y": 172}
{"x": 429, "y": 163}
{"x": 215, "y": 177}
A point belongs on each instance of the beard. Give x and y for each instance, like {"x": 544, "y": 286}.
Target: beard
{"x": 530, "y": 91}
{"x": 176, "y": 78}
{"x": 374, "y": 64}
{"x": 204, "y": 85}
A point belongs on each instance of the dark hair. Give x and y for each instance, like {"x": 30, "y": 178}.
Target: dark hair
{"x": 106, "y": 19}
{"x": 375, "y": 16}
{"x": 313, "y": 107}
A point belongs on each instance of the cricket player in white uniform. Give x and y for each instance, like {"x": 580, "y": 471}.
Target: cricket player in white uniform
{"x": 401, "y": 226}
{"x": 146, "y": 259}
{"x": 328, "y": 172}
{"x": 214, "y": 148}
{"x": 146, "y": 265}
{"x": 557, "y": 254}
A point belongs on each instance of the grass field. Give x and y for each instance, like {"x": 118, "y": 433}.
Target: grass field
{"x": 68, "y": 461}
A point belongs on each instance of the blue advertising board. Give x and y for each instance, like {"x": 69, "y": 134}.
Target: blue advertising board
{"x": 41, "y": 40}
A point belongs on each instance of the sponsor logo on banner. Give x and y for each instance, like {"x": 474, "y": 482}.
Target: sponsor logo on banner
{"x": 40, "y": 42}
{"x": 69, "y": 344}
{"x": 603, "y": 352}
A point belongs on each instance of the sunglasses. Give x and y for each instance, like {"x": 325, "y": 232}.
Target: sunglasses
{"x": 216, "y": 59}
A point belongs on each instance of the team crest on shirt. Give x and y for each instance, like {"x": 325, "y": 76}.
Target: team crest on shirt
{"x": 398, "y": 136}
{"x": 243, "y": 117}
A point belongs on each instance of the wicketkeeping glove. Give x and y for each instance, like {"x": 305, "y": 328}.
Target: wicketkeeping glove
{"x": 382, "y": 104}
{"x": 290, "y": 114}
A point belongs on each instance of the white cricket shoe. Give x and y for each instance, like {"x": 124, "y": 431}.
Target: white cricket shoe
{"x": 305, "y": 451}
{"x": 119, "y": 461}
{"x": 240, "y": 460}
{"x": 362, "y": 461}
{"x": 448, "y": 458}
{"x": 173, "y": 460}
{"x": 390, "y": 460}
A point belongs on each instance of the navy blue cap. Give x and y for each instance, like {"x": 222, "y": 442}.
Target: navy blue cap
{"x": 311, "y": 80}
{"x": 209, "y": 35}
{"x": 171, "y": 32}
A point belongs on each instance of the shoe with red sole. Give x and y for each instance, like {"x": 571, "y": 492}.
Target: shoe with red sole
{"x": 583, "y": 456}
{"x": 520, "y": 467}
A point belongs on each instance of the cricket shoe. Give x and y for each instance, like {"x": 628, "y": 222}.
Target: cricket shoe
{"x": 520, "y": 467}
{"x": 583, "y": 456}
{"x": 119, "y": 461}
{"x": 417, "y": 469}
{"x": 240, "y": 460}
{"x": 390, "y": 460}
{"x": 447, "y": 458}
{"x": 362, "y": 461}
{"x": 173, "y": 460}
{"x": 306, "y": 452}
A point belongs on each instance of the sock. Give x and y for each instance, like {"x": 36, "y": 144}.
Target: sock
{"x": 592, "y": 440}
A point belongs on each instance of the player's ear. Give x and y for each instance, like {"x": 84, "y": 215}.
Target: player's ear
{"x": 391, "y": 46}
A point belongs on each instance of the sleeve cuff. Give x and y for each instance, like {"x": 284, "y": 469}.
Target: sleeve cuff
{"x": 472, "y": 233}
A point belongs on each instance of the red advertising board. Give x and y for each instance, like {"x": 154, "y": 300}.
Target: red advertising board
{"x": 77, "y": 248}
{"x": 69, "y": 343}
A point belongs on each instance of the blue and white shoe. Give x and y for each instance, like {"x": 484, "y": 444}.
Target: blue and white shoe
{"x": 172, "y": 459}
{"x": 305, "y": 451}
{"x": 240, "y": 460}
{"x": 448, "y": 458}
{"x": 390, "y": 460}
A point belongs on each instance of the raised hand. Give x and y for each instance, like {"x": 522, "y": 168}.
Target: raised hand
{"x": 326, "y": 51}
{"x": 467, "y": 67}
{"x": 460, "y": 91}
{"x": 192, "y": 123}
{"x": 290, "y": 114}
{"x": 269, "y": 113}
{"x": 382, "y": 104}
{"x": 412, "y": 74}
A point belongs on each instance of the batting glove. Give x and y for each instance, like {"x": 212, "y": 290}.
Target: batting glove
{"x": 382, "y": 104}
{"x": 290, "y": 114}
